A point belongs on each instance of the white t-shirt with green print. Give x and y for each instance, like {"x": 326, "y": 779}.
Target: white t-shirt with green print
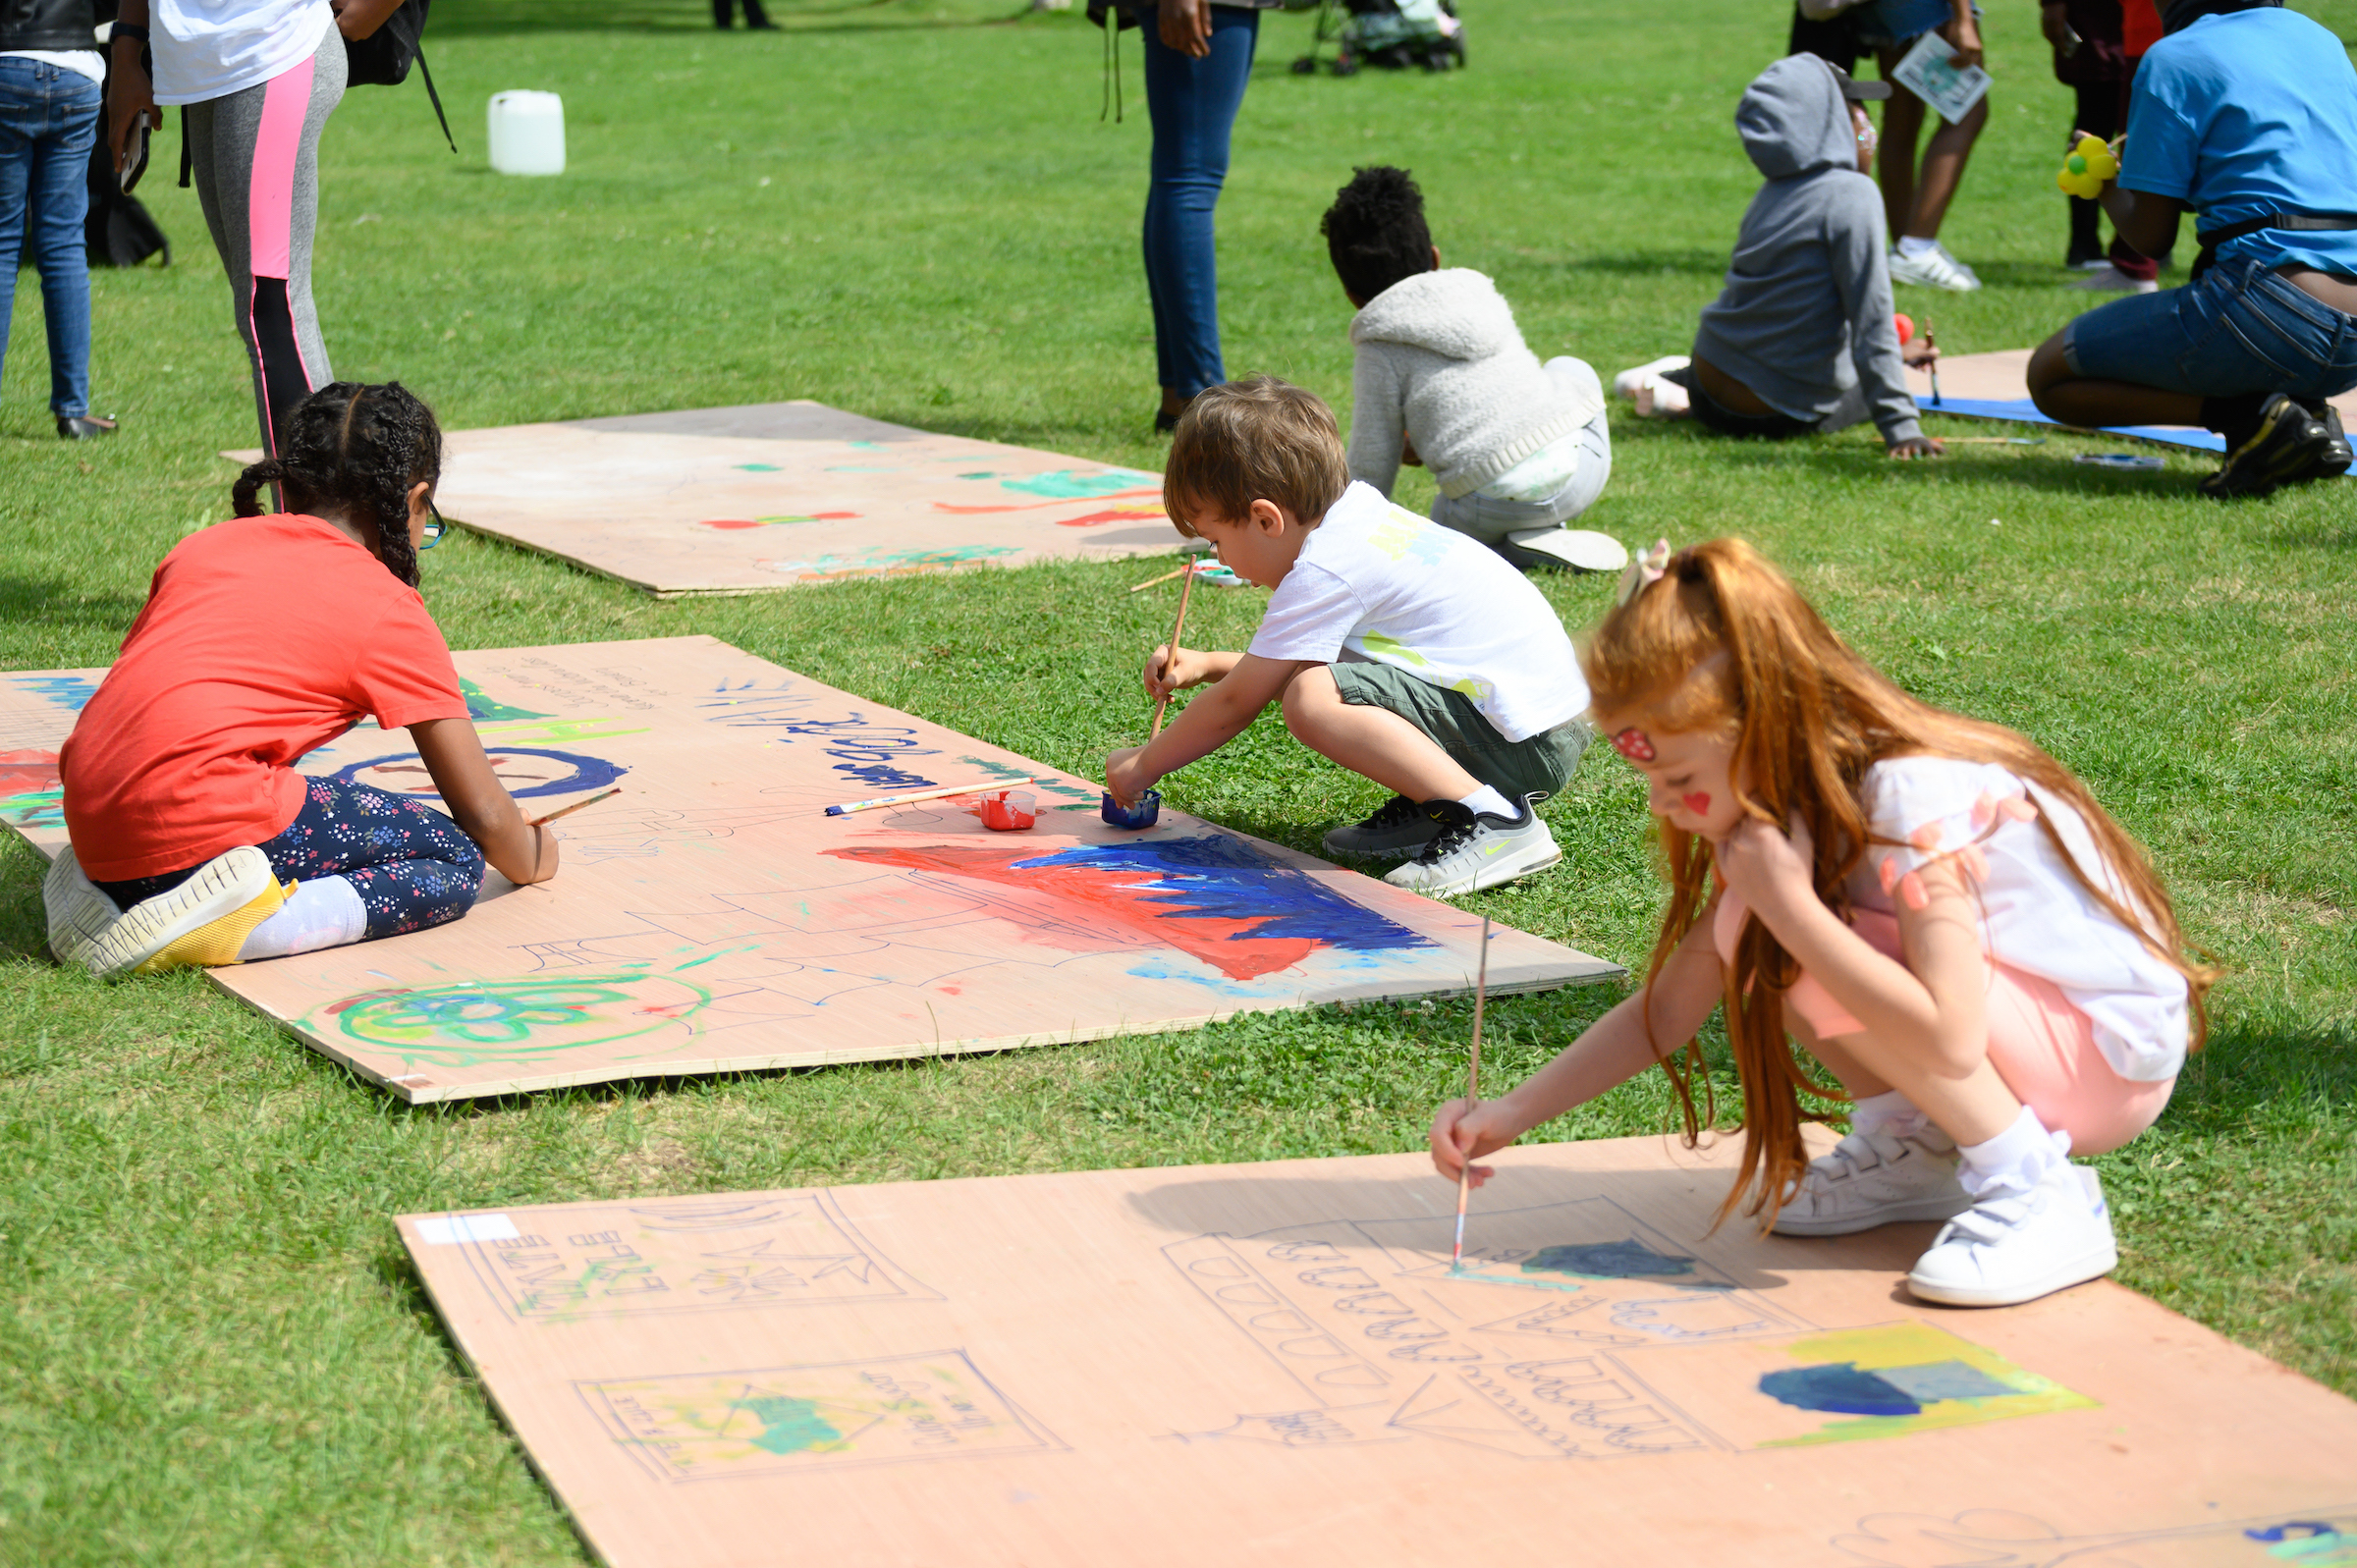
{"x": 1376, "y": 581}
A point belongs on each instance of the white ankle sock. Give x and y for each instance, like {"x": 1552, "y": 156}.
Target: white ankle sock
{"x": 1888, "y": 1111}
{"x": 1910, "y": 246}
{"x": 2016, "y": 1158}
{"x": 1490, "y": 800}
{"x": 324, "y": 912}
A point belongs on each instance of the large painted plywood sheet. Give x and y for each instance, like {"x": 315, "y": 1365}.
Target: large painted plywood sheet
{"x": 713, "y": 918}
{"x": 1274, "y": 1364}
{"x": 777, "y": 495}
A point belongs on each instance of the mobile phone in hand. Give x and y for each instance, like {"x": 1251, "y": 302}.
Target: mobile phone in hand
{"x": 134, "y": 151}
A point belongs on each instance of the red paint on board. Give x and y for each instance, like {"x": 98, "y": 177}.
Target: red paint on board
{"x": 1084, "y": 909}
{"x": 26, "y": 773}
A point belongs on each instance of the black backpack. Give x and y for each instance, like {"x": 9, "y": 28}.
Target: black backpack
{"x": 382, "y": 59}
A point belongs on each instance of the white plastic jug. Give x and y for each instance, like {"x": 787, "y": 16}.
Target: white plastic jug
{"x": 528, "y": 133}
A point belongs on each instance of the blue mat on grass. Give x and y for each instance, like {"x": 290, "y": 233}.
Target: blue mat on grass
{"x": 2023, "y": 411}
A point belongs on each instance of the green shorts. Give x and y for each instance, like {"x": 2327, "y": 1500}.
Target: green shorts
{"x": 1538, "y": 766}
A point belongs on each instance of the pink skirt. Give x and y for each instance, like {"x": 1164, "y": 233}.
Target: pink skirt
{"x": 2042, "y": 1046}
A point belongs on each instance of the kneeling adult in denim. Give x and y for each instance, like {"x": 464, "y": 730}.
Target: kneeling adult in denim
{"x": 2245, "y": 113}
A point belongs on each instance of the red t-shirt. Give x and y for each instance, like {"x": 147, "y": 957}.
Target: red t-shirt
{"x": 264, "y": 638}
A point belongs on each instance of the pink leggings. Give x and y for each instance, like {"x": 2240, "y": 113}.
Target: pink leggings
{"x": 2040, "y": 1044}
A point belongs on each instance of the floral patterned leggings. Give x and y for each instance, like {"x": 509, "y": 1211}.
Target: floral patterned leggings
{"x": 412, "y": 867}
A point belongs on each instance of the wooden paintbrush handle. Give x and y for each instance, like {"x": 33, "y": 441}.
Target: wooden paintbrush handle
{"x": 1187, "y": 585}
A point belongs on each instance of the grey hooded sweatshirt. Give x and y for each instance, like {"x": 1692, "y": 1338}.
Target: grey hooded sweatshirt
{"x": 1804, "y": 319}
{"x": 1441, "y": 361}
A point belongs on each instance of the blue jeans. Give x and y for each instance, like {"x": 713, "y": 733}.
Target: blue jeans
{"x": 1193, "y": 104}
{"x": 2240, "y": 329}
{"x": 48, "y": 122}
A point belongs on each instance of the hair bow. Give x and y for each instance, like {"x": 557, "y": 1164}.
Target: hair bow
{"x": 1645, "y": 569}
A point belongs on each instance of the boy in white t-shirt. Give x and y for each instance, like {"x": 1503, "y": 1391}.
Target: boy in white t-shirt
{"x": 1404, "y": 651}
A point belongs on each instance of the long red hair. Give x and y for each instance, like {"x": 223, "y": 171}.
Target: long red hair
{"x": 1722, "y": 642}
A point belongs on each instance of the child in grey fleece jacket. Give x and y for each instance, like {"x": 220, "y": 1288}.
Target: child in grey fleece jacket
{"x": 1444, "y": 379}
{"x": 1801, "y": 338}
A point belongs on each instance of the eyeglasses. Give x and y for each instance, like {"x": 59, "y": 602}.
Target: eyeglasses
{"x": 435, "y": 527}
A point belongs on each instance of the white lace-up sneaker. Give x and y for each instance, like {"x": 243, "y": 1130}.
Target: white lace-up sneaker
{"x": 1935, "y": 269}
{"x": 2013, "y": 1246}
{"x": 1476, "y": 851}
{"x": 1875, "y": 1179}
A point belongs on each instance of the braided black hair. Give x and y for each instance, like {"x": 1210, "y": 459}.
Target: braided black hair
{"x": 356, "y": 448}
{"x": 1375, "y": 231}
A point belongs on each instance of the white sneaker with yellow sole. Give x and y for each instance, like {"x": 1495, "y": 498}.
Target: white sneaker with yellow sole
{"x": 200, "y": 924}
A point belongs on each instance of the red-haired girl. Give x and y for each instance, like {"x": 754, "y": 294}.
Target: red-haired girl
{"x": 1930, "y": 905}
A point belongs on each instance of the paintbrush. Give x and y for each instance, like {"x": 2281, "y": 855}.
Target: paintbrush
{"x": 975, "y": 789}
{"x": 1177, "y": 628}
{"x": 1164, "y": 578}
{"x": 567, "y": 811}
{"x": 1931, "y": 341}
{"x": 1464, "y": 1169}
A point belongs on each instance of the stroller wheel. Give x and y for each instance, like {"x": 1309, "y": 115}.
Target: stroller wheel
{"x": 1306, "y": 66}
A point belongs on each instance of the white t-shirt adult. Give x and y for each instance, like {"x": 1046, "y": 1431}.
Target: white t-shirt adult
{"x": 2037, "y": 916}
{"x": 1378, "y": 581}
{"x": 206, "y": 49}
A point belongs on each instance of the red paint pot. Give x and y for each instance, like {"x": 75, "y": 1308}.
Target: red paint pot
{"x": 1010, "y": 810}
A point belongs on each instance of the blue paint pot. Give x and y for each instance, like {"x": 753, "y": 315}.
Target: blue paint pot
{"x": 1142, "y": 815}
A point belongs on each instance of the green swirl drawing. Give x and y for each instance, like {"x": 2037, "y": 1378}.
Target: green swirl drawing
{"x": 528, "y": 1018}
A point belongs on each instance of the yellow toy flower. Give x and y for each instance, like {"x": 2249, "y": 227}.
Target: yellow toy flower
{"x": 2089, "y": 165}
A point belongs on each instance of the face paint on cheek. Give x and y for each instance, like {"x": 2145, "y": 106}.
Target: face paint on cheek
{"x": 1697, "y": 802}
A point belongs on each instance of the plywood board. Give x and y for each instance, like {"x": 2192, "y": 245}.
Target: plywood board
{"x": 770, "y": 496}
{"x": 1997, "y": 386}
{"x": 1274, "y": 1364}
{"x": 713, "y": 919}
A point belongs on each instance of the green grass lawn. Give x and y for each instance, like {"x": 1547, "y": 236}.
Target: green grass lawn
{"x": 211, "y": 1348}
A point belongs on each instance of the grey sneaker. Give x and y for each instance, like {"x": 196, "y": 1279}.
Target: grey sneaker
{"x": 1476, "y": 851}
{"x": 1399, "y": 827}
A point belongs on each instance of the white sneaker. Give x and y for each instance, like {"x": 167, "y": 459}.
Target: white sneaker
{"x": 201, "y": 922}
{"x": 1581, "y": 549}
{"x": 1476, "y": 851}
{"x": 1875, "y": 1179}
{"x": 2013, "y": 1246}
{"x": 2109, "y": 279}
{"x": 1933, "y": 267}
{"x": 78, "y": 913}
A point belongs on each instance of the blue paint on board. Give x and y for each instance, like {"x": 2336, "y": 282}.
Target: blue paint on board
{"x": 1215, "y": 877}
{"x": 1933, "y": 1381}
{"x": 70, "y": 692}
{"x": 1066, "y": 484}
{"x": 1840, "y": 1388}
{"x": 1606, "y": 1260}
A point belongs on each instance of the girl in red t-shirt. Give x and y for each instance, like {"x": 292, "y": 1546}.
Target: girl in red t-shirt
{"x": 195, "y": 840}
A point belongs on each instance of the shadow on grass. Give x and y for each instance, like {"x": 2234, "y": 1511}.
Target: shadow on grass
{"x": 67, "y": 606}
{"x": 2250, "y": 1064}
{"x": 509, "y": 18}
{"x": 1998, "y": 467}
{"x": 1643, "y": 263}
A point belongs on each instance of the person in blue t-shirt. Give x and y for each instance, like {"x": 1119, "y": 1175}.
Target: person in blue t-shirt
{"x": 2245, "y": 113}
